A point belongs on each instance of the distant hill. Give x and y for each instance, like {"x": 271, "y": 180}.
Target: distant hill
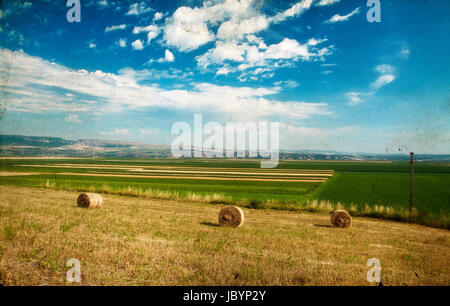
{"x": 18, "y": 145}
{"x": 32, "y": 141}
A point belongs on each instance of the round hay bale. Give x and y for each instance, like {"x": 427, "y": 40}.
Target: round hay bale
{"x": 90, "y": 200}
{"x": 231, "y": 216}
{"x": 341, "y": 218}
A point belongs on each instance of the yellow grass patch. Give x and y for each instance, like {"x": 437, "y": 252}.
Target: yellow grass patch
{"x": 136, "y": 241}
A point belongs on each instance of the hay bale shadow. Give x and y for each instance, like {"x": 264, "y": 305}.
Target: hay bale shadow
{"x": 322, "y": 225}
{"x": 210, "y": 224}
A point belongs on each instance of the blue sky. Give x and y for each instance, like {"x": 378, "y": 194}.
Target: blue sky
{"x": 129, "y": 70}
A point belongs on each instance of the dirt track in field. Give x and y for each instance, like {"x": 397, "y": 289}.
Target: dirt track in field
{"x": 256, "y": 170}
{"x": 7, "y": 173}
{"x": 193, "y": 177}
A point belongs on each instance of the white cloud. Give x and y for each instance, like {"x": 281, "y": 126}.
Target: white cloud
{"x": 290, "y": 48}
{"x": 35, "y": 84}
{"x": 354, "y": 97}
{"x": 122, "y": 42}
{"x": 152, "y": 31}
{"x": 73, "y": 118}
{"x": 384, "y": 69}
{"x": 158, "y": 16}
{"x": 405, "y": 53}
{"x": 138, "y": 9}
{"x": 291, "y": 84}
{"x": 187, "y": 29}
{"x": 382, "y": 81}
{"x": 138, "y": 29}
{"x": 137, "y": 44}
{"x": 115, "y": 28}
{"x": 223, "y": 71}
{"x": 293, "y": 11}
{"x": 236, "y": 29}
{"x": 327, "y": 2}
{"x": 252, "y": 54}
{"x": 168, "y": 56}
{"x": 103, "y": 3}
{"x": 92, "y": 45}
{"x": 339, "y": 18}
{"x": 115, "y": 132}
{"x": 235, "y": 41}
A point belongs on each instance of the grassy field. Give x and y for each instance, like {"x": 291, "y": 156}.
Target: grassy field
{"x": 377, "y": 189}
{"x": 138, "y": 241}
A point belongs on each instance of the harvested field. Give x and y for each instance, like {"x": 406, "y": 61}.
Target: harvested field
{"x": 363, "y": 188}
{"x": 134, "y": 241}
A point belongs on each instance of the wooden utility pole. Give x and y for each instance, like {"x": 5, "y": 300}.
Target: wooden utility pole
{"x": 411, "y": 182}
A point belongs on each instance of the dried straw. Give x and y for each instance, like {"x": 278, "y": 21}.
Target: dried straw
{"x": 231, "y": 216}
{"x": 341, "y": 218}
{"x": 90, "y": 200}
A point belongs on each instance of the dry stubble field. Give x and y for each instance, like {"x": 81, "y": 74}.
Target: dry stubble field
{"x": 135, "y": 241}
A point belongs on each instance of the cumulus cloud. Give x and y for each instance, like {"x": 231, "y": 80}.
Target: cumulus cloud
{"x": 252, "y": 54}
{"x": 237, "y": 22}
{"x": 34, "y": 85}
{"x": 168, "y": 57}
{"x": 122, "y": 42}
{"x": 158, "y": 16}
{"x": 339, "y": 18}
{"x": 187, "y": 29}
{"x": 137, "y": 44}
{"x": 236, "y": 29}
{"x": 152, "y": 31}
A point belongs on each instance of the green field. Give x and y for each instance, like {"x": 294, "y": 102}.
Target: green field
{"x": 379, "y": 189}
